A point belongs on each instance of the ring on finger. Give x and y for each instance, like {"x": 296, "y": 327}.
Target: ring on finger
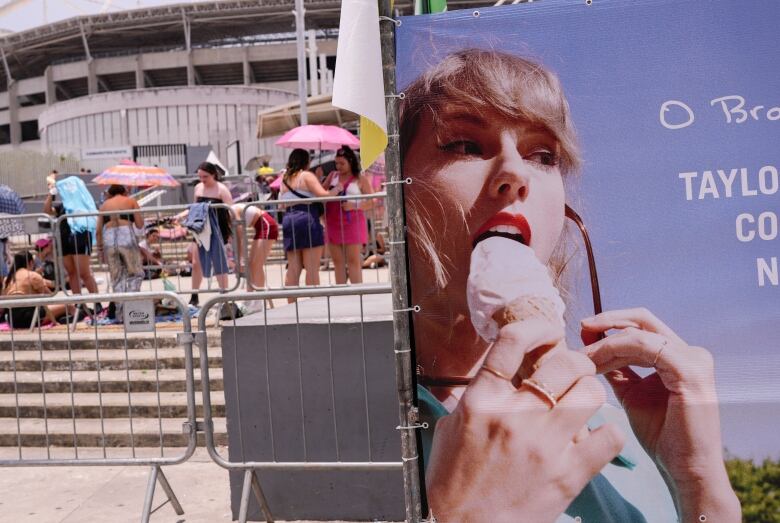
{"x": 542, "y": 390}
{"x": 496, "y": 372}
{"x": 660, "y": 350}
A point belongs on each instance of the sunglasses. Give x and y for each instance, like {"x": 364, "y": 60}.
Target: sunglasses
{"x": 571, "y": 214}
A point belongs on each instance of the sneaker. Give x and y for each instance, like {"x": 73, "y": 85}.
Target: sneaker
{"x": 194, "y": 300}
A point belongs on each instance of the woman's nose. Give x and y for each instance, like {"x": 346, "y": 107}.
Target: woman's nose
{"x": 511, "y": 178}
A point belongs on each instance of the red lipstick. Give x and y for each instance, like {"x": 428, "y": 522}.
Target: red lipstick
{"x": 517, "y": 221}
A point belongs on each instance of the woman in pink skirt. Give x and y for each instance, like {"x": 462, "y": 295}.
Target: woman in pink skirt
{"x": 345, "y": 222}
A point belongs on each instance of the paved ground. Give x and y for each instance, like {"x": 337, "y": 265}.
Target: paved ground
{"x": 112, "y": 494}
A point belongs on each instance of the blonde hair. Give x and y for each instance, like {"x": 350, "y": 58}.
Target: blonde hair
{"x": 482, "y": 80}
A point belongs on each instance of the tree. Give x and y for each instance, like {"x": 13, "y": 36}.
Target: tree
{"x": 758, "y": 489}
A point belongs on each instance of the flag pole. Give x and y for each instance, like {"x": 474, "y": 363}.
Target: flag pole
{"x": 300, "y": 43}
{"x": 398, "y": 276}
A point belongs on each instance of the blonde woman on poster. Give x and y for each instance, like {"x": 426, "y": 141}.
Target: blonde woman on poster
{"x": 520, "y": 430}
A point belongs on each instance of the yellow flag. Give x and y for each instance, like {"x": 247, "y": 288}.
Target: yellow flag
{"x": 358, "y": 85}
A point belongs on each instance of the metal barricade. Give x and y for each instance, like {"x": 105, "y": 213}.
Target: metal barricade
{"x": 177, "y": 245}
{"x": 28, "y": 231}
{"x": 260, "y": 429}
{"x": 266, "y": 262}
{"x": 110, "y": 396}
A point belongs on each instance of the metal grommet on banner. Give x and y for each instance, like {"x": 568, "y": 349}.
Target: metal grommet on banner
{"x": 416, "y": 308}
{"x": 702, "y": 518}
{"x": 402, "y": 351}
{"x": 423, "y": 425}
{"x": 407, "y": 181}
{"x": 397, "y": 243}
{"x": 388, "y": 19}
{"x": 588, "y": 2}
{"x": 400, "y": 96}
{"x": 475, "y": 14}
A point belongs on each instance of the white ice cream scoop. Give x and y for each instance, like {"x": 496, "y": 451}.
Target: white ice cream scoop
{"x": 507, "y": 283}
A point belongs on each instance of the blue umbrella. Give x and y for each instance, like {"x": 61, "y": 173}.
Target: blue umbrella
{"x": 10, "y": 203}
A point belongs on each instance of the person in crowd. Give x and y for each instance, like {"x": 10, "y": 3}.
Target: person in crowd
{"x": 266, "y": 232}
{"x": 212, "y": 190}
{"x": 376, "y": 258}
{"x": 265, "y": 169}
{"x": 117, "y": 243}
{"x": 520, "y": 432}
{"x": 345, "y": 222}
{"x": 44, "y": 258}
{"x": 301, "y": 227}
{"x": 76, "y": 241}
{"x": 151, "y": 254}
{"x": 22, "y": 280}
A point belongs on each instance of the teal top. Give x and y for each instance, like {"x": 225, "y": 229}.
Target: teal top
{"x": 628, "y": 490}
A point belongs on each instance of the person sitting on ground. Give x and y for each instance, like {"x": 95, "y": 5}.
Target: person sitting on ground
{"x": 151, "y": 254}
{"x": 22, "y": 280}
{"x": 44, "y": 258}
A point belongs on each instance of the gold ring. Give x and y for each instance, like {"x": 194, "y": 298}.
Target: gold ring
{"x": 658, "y": 354}
{"x": 496, "y": 373}
{"x": 542, "y": 390}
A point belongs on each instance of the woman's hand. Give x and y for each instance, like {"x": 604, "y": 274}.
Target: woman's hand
{"x": 673, "y": 412}
{"x": 510, "y": 454}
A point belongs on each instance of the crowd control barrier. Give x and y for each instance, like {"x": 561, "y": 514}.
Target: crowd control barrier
{"x": 108, "y": 396}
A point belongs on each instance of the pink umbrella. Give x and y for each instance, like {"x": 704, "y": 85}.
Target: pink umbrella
{"x": 320, "y": 137}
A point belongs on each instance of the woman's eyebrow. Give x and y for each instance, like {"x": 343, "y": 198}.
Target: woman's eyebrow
{"x": 461, "y": 117}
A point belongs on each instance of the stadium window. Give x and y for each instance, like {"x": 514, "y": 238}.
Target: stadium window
{"x": 5, "y": 134}
{"x": 29, "y": 130}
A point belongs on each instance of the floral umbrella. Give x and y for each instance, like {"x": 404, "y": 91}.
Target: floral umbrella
{"x": 131, "y": 174}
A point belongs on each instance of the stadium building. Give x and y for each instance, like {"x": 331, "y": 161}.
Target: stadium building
{"x": 162, "y": 84}
{"x": 159, "y": 83}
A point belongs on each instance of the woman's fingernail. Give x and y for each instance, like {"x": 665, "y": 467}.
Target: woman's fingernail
{"x": 588, "y": 319}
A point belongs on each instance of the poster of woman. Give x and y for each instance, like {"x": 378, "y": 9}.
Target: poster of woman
{"x": 516, "y": 121}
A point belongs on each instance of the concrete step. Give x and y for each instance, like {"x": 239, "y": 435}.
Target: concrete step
{"x": 169, "y": 380}
{"x": 58, "y": 339}
{"x": 115, "y": 432}
{"x": 83, "y": 405}
{"x": 92, "y": 360}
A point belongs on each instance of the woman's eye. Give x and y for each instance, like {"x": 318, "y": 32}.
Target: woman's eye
{"x": 465, "y": 147}
{"x": 543, "y": 157}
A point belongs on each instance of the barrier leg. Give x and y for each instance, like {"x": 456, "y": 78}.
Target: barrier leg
{"x": 261, "y": 498}
{"x": 251, "y": 481}
{"x": 149, "y": 495}
{"x": 169, "y": 492}
{"x": 155, "y": 475}
{"x": 245, "y": 496}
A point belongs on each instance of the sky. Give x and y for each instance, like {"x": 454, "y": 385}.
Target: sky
{"x": 39, "y": 12}
{"x": 681, "y": 258}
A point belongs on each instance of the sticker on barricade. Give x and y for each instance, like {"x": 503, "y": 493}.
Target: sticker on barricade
{"x": 139, "y": 316}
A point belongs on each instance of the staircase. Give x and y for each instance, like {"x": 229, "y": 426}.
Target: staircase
{"x": 114, "y": 395}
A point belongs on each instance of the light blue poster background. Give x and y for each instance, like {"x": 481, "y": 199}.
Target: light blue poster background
{"x": 619, "y": 61}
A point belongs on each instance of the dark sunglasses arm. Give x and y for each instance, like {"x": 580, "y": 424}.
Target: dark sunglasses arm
{"x": 594, "y": 278}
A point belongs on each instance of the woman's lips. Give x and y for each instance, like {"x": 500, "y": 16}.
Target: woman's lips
{"x": 512, "y": 226}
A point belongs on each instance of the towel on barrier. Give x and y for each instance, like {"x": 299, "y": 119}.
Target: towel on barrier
{"x": 76, "y": 199}
{"x": 199, "y": 223}
{"x": 214, "y": 260}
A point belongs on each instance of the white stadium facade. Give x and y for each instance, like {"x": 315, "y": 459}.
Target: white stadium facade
{"x": 161, "y": 83}
{"x": 158, "y": 81}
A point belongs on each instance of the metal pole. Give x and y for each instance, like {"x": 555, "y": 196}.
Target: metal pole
{"x": 301, "y": 45}
{"x": 398, "y": 277}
